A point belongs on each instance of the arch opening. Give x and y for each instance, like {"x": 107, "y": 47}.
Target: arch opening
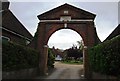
{"x": 63, "y": 40}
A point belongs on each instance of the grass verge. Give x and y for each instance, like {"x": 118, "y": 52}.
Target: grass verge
{"x": 72, "y": 62}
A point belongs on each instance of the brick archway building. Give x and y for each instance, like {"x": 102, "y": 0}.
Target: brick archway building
{"x": 65, "y": 17}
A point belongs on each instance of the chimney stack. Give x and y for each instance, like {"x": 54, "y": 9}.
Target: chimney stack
{"x": 5, "y": 4}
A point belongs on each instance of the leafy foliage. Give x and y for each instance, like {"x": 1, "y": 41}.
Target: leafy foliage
{"x": 105, "y": 57}
{"x": 16, "y": 57}
{"x": 73, "y": 53}
{"x": 51, "y": 59}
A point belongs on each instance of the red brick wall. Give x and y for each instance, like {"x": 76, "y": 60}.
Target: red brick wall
{"x": 85, "y": 29}
{"x": 13, "y": 37}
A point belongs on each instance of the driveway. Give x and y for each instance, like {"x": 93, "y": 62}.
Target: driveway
{"x": 66, "y": 71}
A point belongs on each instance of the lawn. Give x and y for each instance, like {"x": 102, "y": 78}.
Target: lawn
{"x": 72, "y": 62}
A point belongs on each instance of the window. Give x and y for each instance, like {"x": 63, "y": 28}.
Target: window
{"x": 27, "y": 42}
{"x": 4, "y": 38}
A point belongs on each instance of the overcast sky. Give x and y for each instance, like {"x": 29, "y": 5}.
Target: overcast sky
{"x": 106, "y": 17}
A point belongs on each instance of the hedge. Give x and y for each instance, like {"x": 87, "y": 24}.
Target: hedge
{"x": 16, "y": 57}
{"x": 105, "y": 57}
{"x": 51, "y": 59}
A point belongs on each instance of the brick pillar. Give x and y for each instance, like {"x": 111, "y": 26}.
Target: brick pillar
{"x": 87, "y": 71}
{"x": 43, "y": 60}
{"x": 45, "y": 52}
{"x": 42, "y": 47}
{"x": 89, "y": 42}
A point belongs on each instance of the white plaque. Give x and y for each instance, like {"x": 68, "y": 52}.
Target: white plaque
{"x": 85, "y": 46}
{"x": 65, "y": 25}
{"x": 65, "y": 18}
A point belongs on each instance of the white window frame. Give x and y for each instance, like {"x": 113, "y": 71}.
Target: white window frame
{"x": 8, "y": 39}
{"x": 27, "y": 42}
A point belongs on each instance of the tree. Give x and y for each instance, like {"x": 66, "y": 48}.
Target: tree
{"x": 81, "y": 44}
{"x": 73, "y": 53}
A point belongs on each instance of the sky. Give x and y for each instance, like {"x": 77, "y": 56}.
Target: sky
{"x": 105, "y": 22}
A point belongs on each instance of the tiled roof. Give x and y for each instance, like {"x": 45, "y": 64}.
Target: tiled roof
{"x": 57, "y": 52}
{"x": 5, "y": 4}
{"x": 10, "y": 22}
{"x": 114, "y": 33}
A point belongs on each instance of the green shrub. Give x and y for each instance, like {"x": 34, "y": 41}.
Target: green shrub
{"x": 105, "y": 57}
{"x": 16, "y": 57}
{"x": 51, "y": 59}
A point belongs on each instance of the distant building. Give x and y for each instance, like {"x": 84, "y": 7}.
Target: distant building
{"x": 58, "y": 57}
{"x": 58, "y": 54}
{"x": 115, "y": 32}
{"x": 12, "y": 29}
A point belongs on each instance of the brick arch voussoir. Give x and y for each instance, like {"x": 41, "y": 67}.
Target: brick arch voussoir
{"x": 54, "y": 29}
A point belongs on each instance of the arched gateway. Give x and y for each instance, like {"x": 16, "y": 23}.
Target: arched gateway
{"x": 65, "y": 17}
